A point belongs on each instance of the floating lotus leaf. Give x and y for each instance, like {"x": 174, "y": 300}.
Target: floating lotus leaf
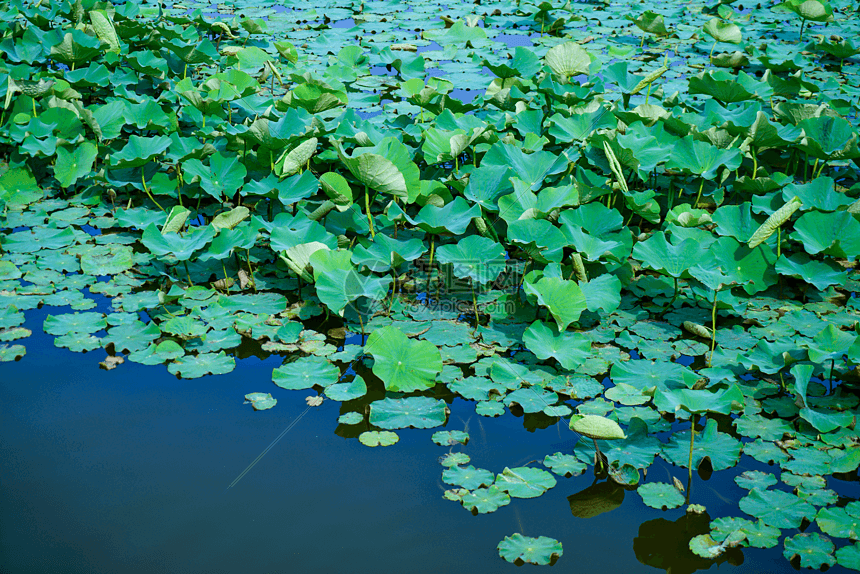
{"x": 403, "y": 364}
{"x": 525, "y": 482}
{"x": 195, "y": 366}
{"x": 378, "y": 438}
{"x": 261, "y": 401}
{"x": 485, "y": 500}
{"x": 755, "y": 479}
{"x": 840, "y": 522}
{"x": 660, "y": 495}
{"x": 564, "y": 464}
{"x": 157, "y": 354}
{"x": 490, "y": 408}
{"x": 569, "y": 349}
{"x": 777, "y": 508}
{"x": 849, "y": 556}
{"x": 705, "y": 546}
{"x": 74, "y": 323}
{"x": 415, "y": 412}
{"x": 722, "y": 449}
{"x": 454, "y": 459}
{"x": 468, "y": 477}
{"x": 344, "y": 392}
{"x": 814, "y": 550}
{"x": 351, "y": 418}
{"x": 306, "y": 373}
{"x": 519, "y": 549}
{"x": 449, "y": 438}
{"x": 11, "y": 352}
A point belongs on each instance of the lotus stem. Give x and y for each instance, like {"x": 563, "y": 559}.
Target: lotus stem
{"x": 832, "y": 366}
{"x": 475, "y": 308}
{"x": 146, "y": 188}
{"x": 456, "y": 164}
{"x": 672, "y": 300}
{"x": 361, "y": 322}
{"x": 710, "y": 56}
{"x": 802, "y": 24}
{"x": 713, "y": 328}
{"x": 187, "y": 272}
{"x": 35, "y": 115}
{"x": 430, "y": 265}
{"x": 755, "y": 163}
{"x": 692, "y": 438}
{"x": 824, "y": 163}
{"x": 367, "y": 209}
{"x": 699, "y": 195}
{"x": 320, "y": 211}
{"x": 250, "y": 270}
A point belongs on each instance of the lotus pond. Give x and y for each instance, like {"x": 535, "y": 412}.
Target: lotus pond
{"x": 411, "y": 286}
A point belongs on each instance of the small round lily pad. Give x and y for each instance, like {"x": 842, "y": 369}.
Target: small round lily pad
{"x": 660, "y": 495}
{"x": 378, "y": 438}
{"x": 261, "y": 401}
{"x": 519, "y": 549}
{"x": 352, "y": 418}
{"x": 449, "y": 438}
{"x": 485, "y": 500}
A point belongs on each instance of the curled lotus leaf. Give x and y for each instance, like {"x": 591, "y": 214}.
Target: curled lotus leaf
{"x": 596, "y": 427}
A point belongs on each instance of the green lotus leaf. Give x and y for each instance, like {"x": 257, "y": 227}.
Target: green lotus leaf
{"x": 660, "y": 255}
{"x": 182, "y": 247}
{"x": 453, "y": 217}
{"x": 660, "y": 495}
{"x": 306, "y": 373}
{"x": 777, "y": 508}
{"x": 757, "y": 534}
{"x": 519, "y": 549}
{"x": 651, "y": 22}
{"x": 564, "y": 299}
{"x": 386, "y": 167}
{"x": 378, "y": 438}
{"x": 814, "y": 550}
{"x": 758, "y": 426}
{"x": 338, "y": 283}
{"x": 647, "y": 374}
{"x": 485, "y": 500}
{"x": 10, "y": 353}
{"x": 35, "y": 240}
{"x": 722, "y": 31}
{"x": 755, "y": 479}
{"x": 78, "y": 342}
{"x": 74, "y": 323}
{"x": 403, "y": 364}
{"x": 836, "y": 233}
{"x": 344, "y": 392}
{"x": 728, "y": 88}
{"x": 337, "y": 189}
{"x": 75, "y": 47}
{"x": 383, "y": 252}
{"x": 705, "y": 546}
{"x": 626, "y": 395}
{"x": 722, "y": 450}
{"x": 820, "y": 194}
{"x": 221, "y": 179}
{"x": 414, "y": 412}
{"x": 132, "y": 336}
{"x": 820, "y": 274}
{"x": 569, "y": 349}
{"x": 450, "y": 438}
{"x": 487, "y": 184}
{"x": 702, "y": 159}
{"x": 459, "y": 34}
{"x": 192, "y": 367}
{"x": 477, "y": 258}
{"x": 261, "y": 401}
{"x": 525, "y": 482}
{"x": 156, "y": 354}
{"x": 532, "y": 399}
{"x": 568, "y": 59}
{"x": 454, "y": 459}
{"x": 533, "y": 169}
{"x": 476, "y": 388}
{"x": 105, "y": 29}
{"x": 827, "y": 137}
{"x": 468, "y": 477}
{"x": 840, "y": 522}
{"x": 351, "y": 418}
{"x": 579, "y": 127}
{"x": 814, "y": 10}
{"x": 596, "y": 427}
{"x": 849, "y": 556}
{"x": 116, "y": 259}
{"x": 765, "y": 452}
{"x": 74, "y": 164}
{"x": 699, "y": 401}
{"x": 564, "y": 464}
{"x": 139, "y": 151}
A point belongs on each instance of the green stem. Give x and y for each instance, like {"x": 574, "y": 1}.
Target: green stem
{"x": 367, "y": 209}
{"x": 475, "y": 308}
{"x": 713, "y": 328}
{"x": 692, "y": 438}
{"x": 672, "y": 300}
{"x": 146, "y": 189}
{"x": 778, "y": 241}
{"x": 250, "y": 271}
{"x": 430, "y": 265}
{"x": 187, "y": 272}
{"x": 755, "y": 162}
{"x": 699, "y": 195}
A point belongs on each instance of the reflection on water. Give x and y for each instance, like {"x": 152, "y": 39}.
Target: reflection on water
{"x": 664, "y": 544}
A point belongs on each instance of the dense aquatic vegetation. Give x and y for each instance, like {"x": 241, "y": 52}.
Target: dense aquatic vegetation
{"x": 644, "y": 223}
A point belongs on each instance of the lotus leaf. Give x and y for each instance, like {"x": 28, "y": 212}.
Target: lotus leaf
{"x": 454, "y": 459}
{"x": 518, "y": 549}
{"x": 777, "y": 508}
{"x": 485, "y": 500}
{"x": 74, "y": 323}
{"x": 344, "y": 392}
{"x": 415, "y": 412}
{"x": 468, "y": 477}
{"x": 305, "y": 373}
{"x": 351, "y": 418}
{"x": 261, "y": 401}
{"x": 403, "y": 364}
{"x": 840, "y": 522}
{"x": 564, "y": 464}
{"x": 192, "y": 367}
{"x": 815, "y": 550}
{"x": 722, "y": 450}
{"x": 449, "y": 438}
{"x": 755, "y": 479}
{"x": 378, "y": 438}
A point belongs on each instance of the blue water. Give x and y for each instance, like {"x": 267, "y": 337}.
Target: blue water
{"x": 126, "y": 471}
